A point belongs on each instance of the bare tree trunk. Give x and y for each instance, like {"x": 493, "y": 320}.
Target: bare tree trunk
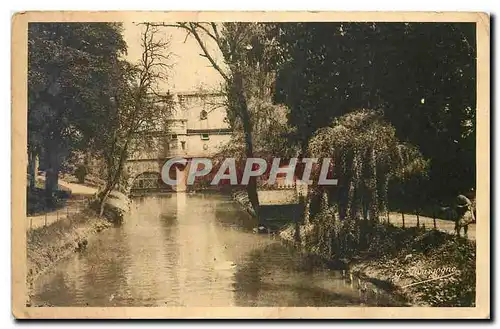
{"x": 234, "y": 90}
{"x": 32, "y": 157}
{"x": 104, "y": 196}
{"x": 307, "y": 209}
{"x": 51, "y": 174}
{"x": 324, "y": 200}
{"x": 114, "y": 177}
{"x": 239, "y": 101}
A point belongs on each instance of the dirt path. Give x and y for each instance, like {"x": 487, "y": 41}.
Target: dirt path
{"x": 72, "y": 206}
{"x": 77, "y": 202}
{"x": 441, "y": 224}
{"x": 76, "y": 189}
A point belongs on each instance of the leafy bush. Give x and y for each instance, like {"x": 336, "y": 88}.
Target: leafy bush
{"x": 80, "y": 172}
{"x": 431, "y": 251}
{"x": 367, "y": 155}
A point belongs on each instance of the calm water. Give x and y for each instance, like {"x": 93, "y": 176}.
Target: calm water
{"x": 193, "y": 250}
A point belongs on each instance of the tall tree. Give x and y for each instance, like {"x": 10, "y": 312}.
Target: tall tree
{"x": 245, "y": 71}
{"x": 421, "y": 74}
{"x": 366, "y": 155}
{"x": 137, "y": 106}
{"x": 69, "y": 78}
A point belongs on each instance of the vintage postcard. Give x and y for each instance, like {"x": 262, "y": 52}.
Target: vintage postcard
{"x": 251, "y": 165}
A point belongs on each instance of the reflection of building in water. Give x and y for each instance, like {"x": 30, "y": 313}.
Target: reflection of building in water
{"x": 196, "y": 127}
{"x": 204, "y": 269}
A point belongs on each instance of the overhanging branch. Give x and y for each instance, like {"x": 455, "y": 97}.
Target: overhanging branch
{"x": 192, "y": 28}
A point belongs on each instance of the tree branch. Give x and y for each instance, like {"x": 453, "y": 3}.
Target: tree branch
{"x": 191, "y": 28}
{"x": 207, "y": 54}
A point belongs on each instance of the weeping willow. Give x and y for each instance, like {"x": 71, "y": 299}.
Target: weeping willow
{"x": 366, "y": 155}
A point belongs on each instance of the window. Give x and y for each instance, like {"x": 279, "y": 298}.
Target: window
{"x": 173, "y": 145}
{"x": 204, "y": 137}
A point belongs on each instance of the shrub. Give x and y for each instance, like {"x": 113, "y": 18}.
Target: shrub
{"x": 80, "y": 172}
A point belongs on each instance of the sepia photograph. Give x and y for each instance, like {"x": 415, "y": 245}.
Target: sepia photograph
{"x": 274, "y": 165}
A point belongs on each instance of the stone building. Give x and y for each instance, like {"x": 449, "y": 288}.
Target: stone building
{"x": 195, "y": 128}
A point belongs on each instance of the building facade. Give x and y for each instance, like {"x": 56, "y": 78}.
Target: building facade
{"x": 196, "y": 127}
{"x": 202, "y": 119}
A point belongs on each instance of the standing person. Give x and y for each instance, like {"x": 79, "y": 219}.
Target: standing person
{"x": 464, "y": 214}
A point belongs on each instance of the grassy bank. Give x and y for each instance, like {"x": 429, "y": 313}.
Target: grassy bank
{"x": 47, "y": 245}
{"x": 444, "y": 276}
{"x": 423, "y": 267}
{"x": 426, "y": 267}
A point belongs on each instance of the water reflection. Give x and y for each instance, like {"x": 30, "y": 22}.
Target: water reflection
{"x": 193, "y": 250}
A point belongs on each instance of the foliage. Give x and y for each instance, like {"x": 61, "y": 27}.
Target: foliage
{"x": 137, "y": 106}
{"x": 271, "y": 133}
{"x": 460, "y": 290}
{"x": 366, "y": 155}
{"x": 430, "y": 252}
{"x": 246, "y": 72}
{"x": 422, "y": 74}
{"x": 405, "y": 256}
{"x": 69, "y": 67}
{"x": 69, "y": 84}
{"x": 80, "y": 172}
{"x": 410, "y": 180}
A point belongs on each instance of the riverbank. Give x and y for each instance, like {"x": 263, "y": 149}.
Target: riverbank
{"x": 423, "y": 267}
{"x": 443, "y": 276}
{"x": 47, "y": 245}
{"x": 241, "y": 197}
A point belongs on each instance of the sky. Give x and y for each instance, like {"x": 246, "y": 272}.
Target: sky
{"x": 190, "y": 72}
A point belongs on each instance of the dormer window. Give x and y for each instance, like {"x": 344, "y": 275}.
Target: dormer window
{"x": 203, "y": 115}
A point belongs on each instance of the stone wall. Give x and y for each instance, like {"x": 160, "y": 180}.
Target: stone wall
{"x": 285, "y": 196}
